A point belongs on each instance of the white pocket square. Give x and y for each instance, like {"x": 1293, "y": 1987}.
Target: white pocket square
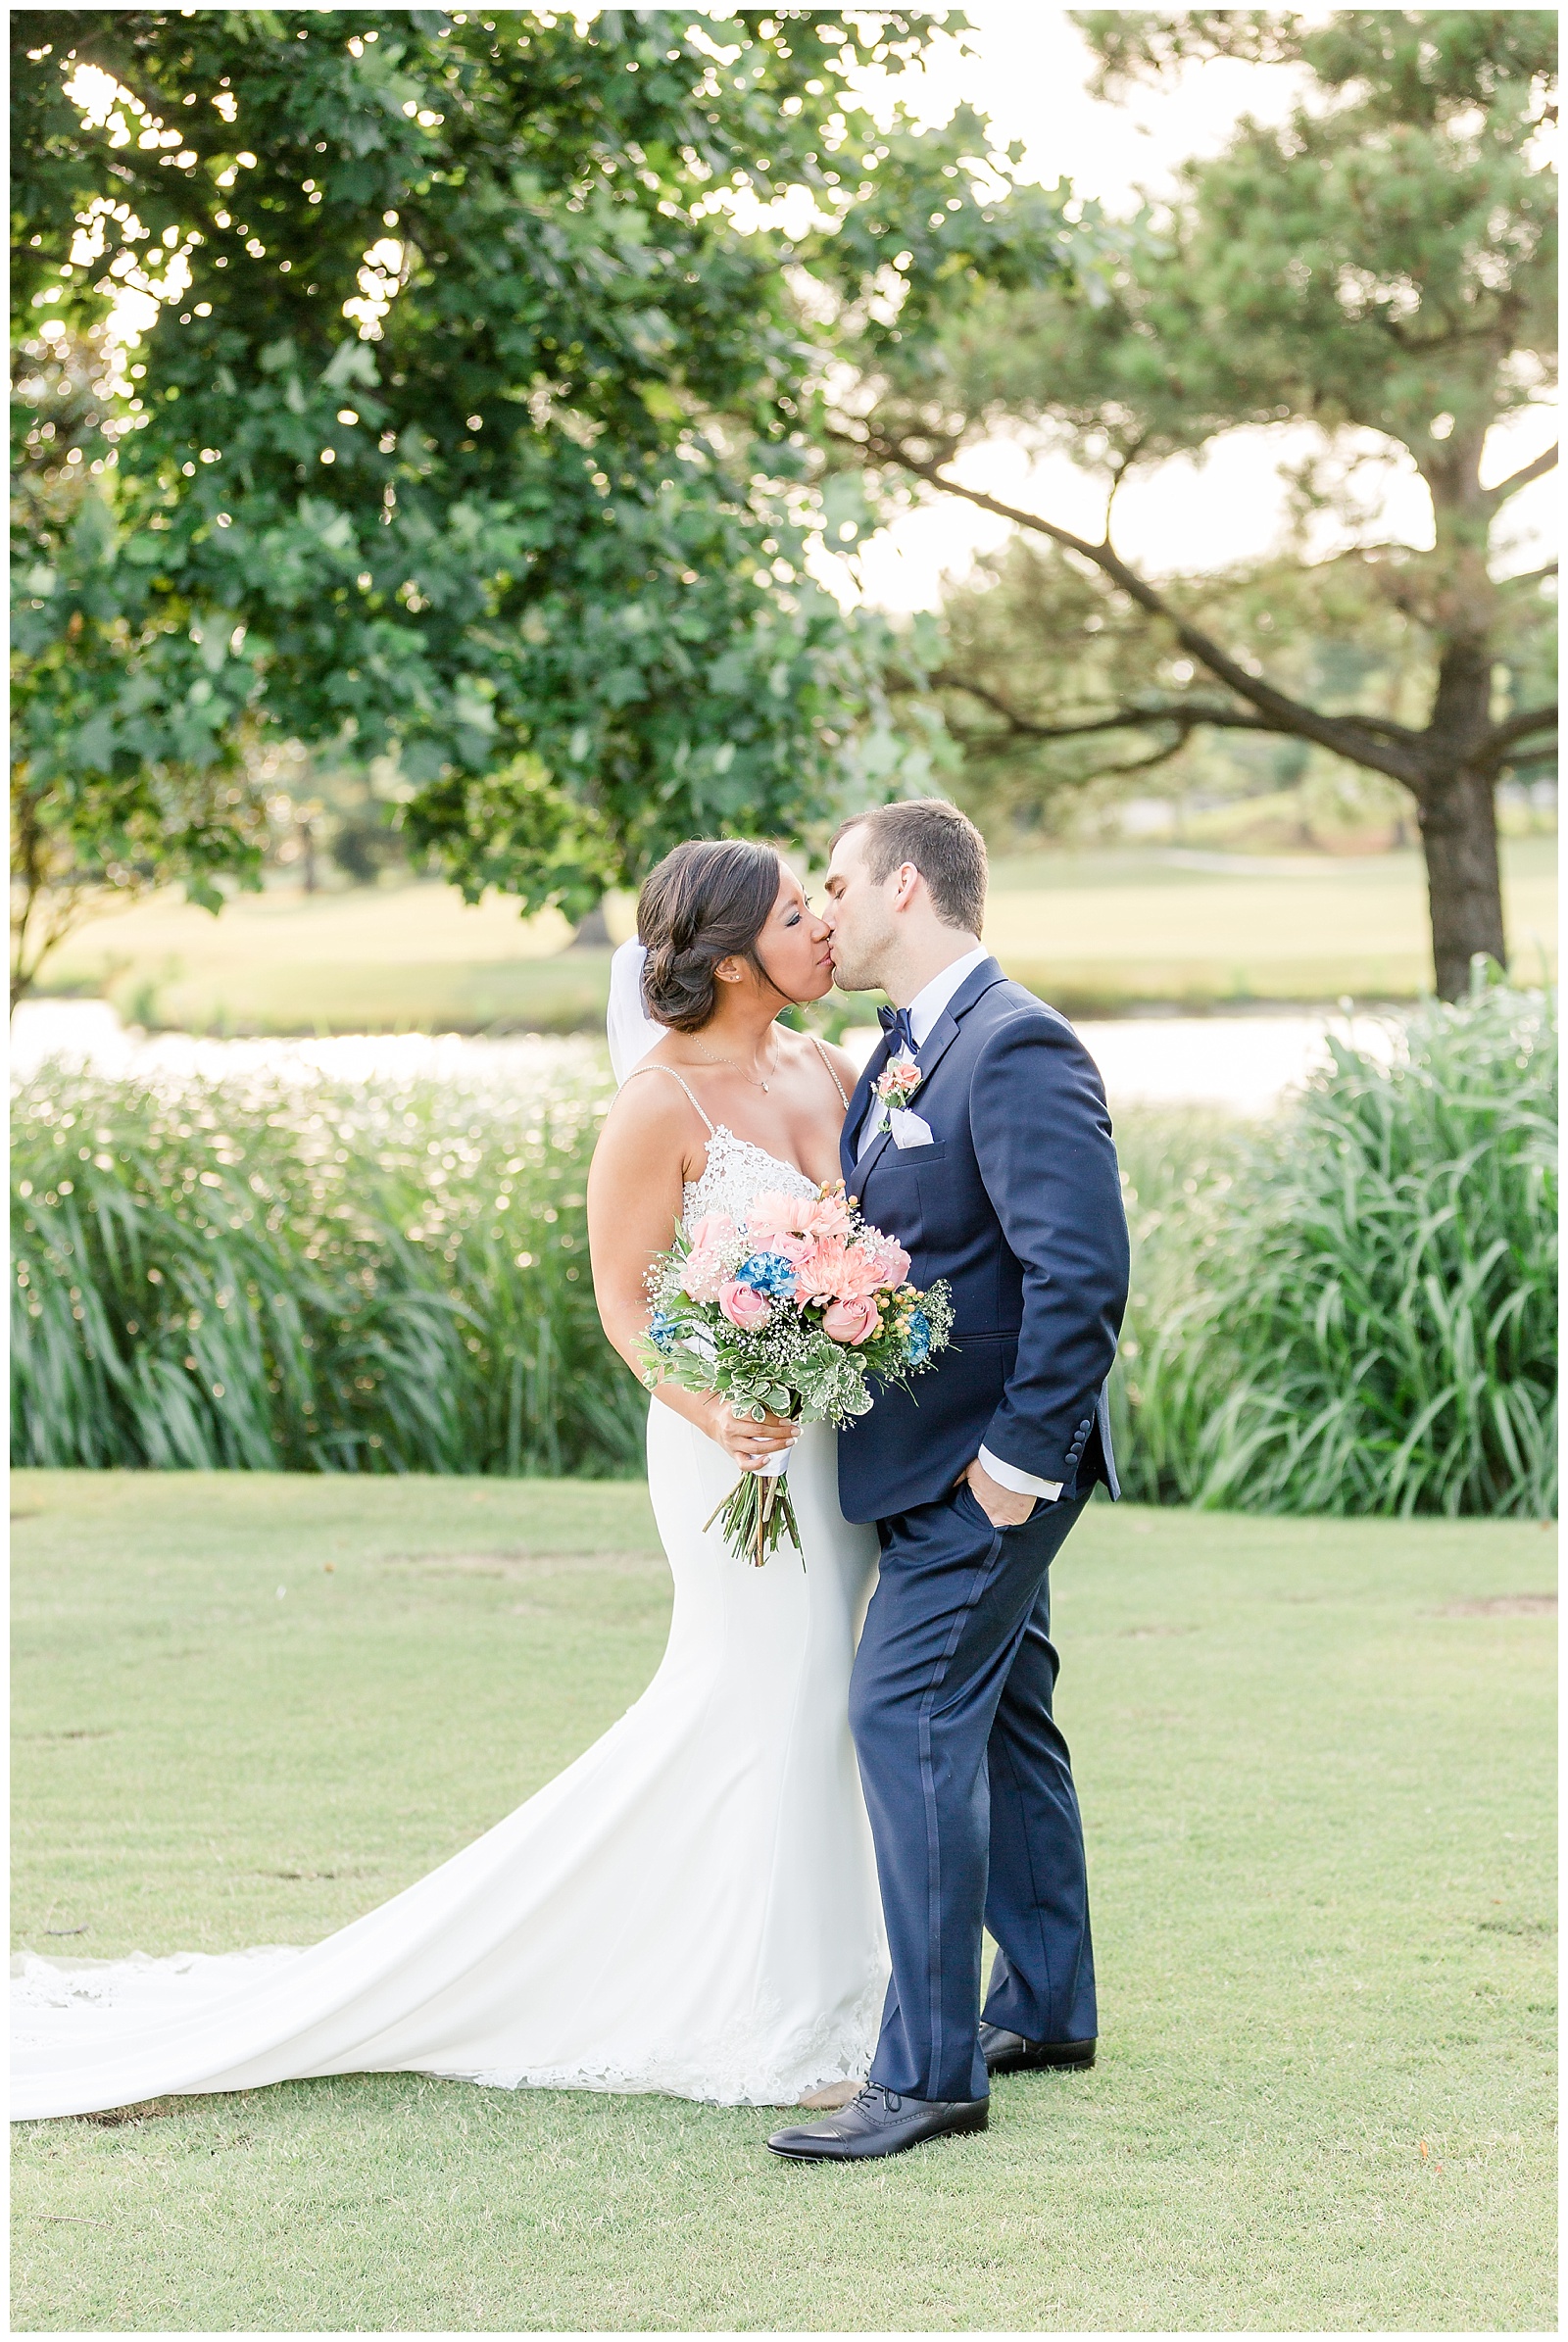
{"x": 908, "y": 1130}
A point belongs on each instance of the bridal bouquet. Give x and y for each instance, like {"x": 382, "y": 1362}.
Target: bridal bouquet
{"x": 789, "y": 1312}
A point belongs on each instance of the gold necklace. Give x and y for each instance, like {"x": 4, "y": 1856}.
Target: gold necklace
{"x": 754, "y": 1078}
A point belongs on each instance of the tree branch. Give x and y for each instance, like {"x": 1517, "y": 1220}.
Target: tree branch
{"x": 1528, "y": 577}
{"x": 1118, "y": 475}
{"x": 994, "y": 745}
{"x": 1155, "y": 756}
{"x": 1535, "y": 469}
{"x": 1387, "y": 748}
{"x": 1187, "y": 716}
{"x": 1493, "y": 750}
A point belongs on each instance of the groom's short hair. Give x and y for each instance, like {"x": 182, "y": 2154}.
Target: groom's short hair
{"x": 944, "y": 846}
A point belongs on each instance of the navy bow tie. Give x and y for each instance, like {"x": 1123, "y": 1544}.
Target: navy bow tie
{"x": 895, "y": 1023}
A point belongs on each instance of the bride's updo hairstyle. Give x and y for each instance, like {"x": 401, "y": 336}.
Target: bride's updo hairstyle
{"x": 708, "y": 900}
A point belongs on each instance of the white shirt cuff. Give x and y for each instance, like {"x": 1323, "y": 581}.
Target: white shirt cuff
{"x": 1022, "y": 1483}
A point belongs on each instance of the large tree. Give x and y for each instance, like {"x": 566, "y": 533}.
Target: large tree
{"x": 1382, "y": 265}
{"x": 130, "y": 766}
{"x": 469, "y": 417}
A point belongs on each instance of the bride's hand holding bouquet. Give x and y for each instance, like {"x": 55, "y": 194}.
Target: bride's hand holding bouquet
{"x": 786, "y": 1315}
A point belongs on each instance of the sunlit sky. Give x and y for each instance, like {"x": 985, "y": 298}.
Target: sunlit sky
{"x": 1028, "y": 73}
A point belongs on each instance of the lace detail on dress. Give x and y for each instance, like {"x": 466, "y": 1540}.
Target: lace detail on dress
{"x": 759, "y": 2059}
{"x": 735, "y": 1172}
{"x": 755, "y": 2064}
{"x": 737, "y": 1169}
{"x": 148, "y": 1989}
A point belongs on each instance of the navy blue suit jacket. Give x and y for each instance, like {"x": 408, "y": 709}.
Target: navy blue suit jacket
{"x": 1017, "y": 1204}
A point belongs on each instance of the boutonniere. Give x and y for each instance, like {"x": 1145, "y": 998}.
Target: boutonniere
{"x": 899, "y": 1080}
{"x": 896, "y": 1085}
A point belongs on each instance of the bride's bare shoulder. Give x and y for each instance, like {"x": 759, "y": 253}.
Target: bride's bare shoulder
{"x": 653, "y": 1110}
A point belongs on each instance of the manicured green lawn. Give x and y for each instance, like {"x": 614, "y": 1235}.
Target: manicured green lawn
{"x": 1087, "y": 930}
{"x": 1316, "y": 1766}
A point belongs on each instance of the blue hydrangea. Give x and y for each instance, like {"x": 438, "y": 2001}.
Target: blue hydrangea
{"x": 919, "y": 1337}
{"x": 662, "y": 1329}
{"x": 767, "y": 1273}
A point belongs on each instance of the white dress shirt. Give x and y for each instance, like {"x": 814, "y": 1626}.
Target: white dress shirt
{"x": 930, "y": 1000}
{"x": 924, "y": 1010}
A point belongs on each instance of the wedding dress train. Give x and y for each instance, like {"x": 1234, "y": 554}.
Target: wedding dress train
{"x": 691, "y": 1907}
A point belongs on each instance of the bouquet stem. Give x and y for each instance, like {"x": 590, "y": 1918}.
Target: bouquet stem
{"x": 757, "y": 1516}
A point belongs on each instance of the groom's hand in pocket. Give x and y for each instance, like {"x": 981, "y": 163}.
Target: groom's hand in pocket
{"x": 1004, "y": 1508}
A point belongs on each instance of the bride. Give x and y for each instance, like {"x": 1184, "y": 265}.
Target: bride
{"x": 691, "y": 1907}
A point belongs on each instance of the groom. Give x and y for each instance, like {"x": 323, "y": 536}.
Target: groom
{"x": 996, "y": 1172}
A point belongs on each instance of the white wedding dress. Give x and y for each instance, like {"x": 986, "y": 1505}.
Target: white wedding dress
{"x": 689, "y": 1908}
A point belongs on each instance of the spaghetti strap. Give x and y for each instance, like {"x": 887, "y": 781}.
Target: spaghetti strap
{"x": 676, "y": 1077}
{"x": 832, "y": 1069}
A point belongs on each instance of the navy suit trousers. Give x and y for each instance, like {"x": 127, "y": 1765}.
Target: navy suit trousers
{"x": 970, "y": 1792}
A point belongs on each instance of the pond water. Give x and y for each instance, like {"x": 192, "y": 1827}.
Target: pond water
{"x": 1245, "y": 1063}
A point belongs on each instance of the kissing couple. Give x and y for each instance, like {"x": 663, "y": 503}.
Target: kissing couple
{"x": 768, "y": 1883}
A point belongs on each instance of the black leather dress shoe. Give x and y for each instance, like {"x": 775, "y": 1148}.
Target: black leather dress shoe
{"x": 1010, "y": 2053}
{"x": 879, "y": 2123}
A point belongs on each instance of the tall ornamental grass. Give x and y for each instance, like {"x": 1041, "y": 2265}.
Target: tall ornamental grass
{"x": 1356, "y": 1310}
{"x": 295, "y": 1274}
{"x": 1352, "y": 1311}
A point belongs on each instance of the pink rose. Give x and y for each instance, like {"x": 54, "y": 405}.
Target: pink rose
{"x": 792, "y": 1249}
{"x": 893, "y": 1262}
{"x": 827, "y": 1216}
{"x": 774, "y": 1213}
{"x": 703, "y": 1275}
{"x": 744, "y": 1306}
{"x": 713, "y": 1229}
{"x": 900, "y": 1081}
{"x": 850, "y": 1321}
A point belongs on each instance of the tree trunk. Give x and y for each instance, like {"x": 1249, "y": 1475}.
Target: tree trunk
{"x": 593, "y": 935}
{"x": 1458, "y": 817}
